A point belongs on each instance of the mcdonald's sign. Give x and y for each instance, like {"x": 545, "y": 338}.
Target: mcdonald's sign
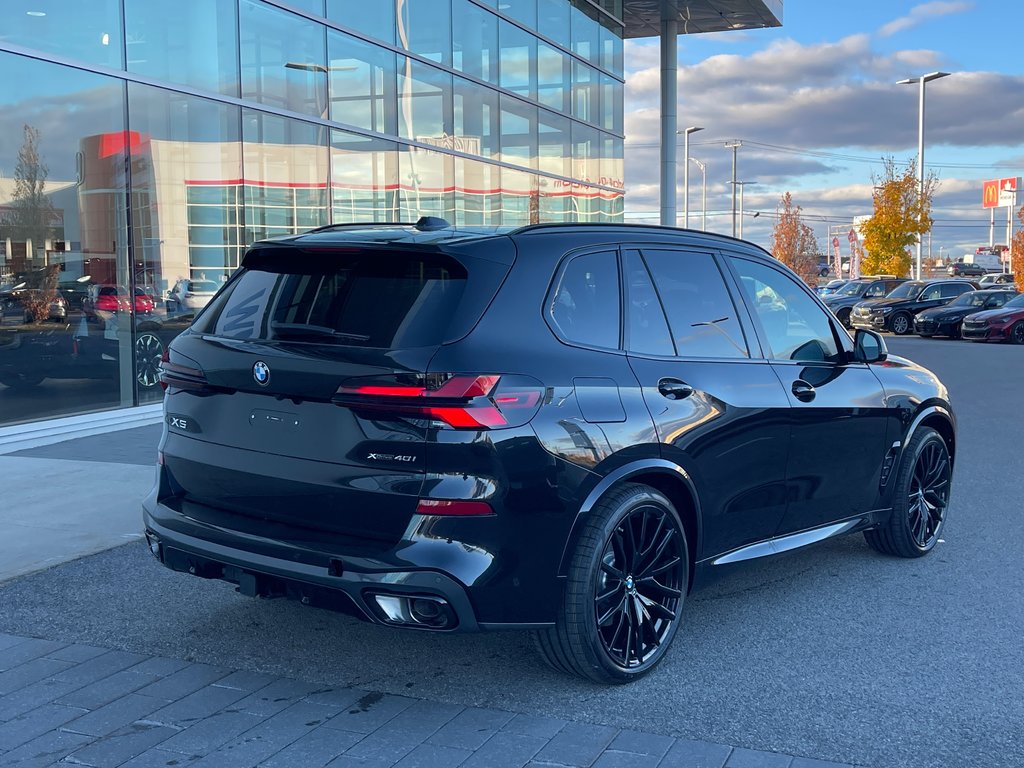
{"x": 990, "y": 194}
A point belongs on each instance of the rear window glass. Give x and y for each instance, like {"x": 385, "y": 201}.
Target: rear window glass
{"x": 369, "y": 299}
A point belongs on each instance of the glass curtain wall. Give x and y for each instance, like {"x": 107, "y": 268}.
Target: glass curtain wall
{"x": 174, "y": 134}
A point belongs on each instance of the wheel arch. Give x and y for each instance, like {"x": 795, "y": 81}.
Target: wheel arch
{"x": 664, "y": 476}
{"x": 940, "y": 418}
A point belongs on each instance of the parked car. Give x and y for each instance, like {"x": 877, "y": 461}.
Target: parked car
{"x": 831, "y": 287}
{"x": 104, "y": 299}
{"x": 13, "y": 303}
{"x": 995, "y": 279}
{"x": 1003, "y": 324}
{"x": 843, "y": 300}
{"x": 447, "y": 429}
{"x": 963, "y": 269}
{"x": 190, "y": 295}
{"x": 946, "y": 320}
{"x": 896, "y": 311}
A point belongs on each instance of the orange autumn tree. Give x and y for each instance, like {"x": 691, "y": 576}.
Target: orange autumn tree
{"x": 793, "y": 242}
{"x": 901, "y": 215}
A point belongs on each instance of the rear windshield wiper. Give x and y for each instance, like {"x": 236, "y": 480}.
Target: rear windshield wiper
{"x": 302, "y": 329}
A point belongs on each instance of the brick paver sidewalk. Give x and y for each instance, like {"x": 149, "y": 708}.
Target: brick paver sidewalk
{"x": 80, "y": 705}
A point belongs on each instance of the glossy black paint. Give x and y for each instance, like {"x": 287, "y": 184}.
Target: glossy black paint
{"x": 284, "y": 491}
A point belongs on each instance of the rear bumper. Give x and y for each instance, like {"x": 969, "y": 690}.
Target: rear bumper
{"x": 277, "y": 569}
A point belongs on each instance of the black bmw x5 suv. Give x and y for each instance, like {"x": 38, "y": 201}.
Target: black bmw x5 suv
{"x": 560, "y": 428}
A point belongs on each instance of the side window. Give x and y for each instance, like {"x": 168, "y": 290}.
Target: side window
{"x": 584, "y": 305}
{"x": 646, "y": 328}
{"x": 931, "y": 293}
{"x": 874, "y": 291}
{"x": 796, "y": 327}
{"x": 952, "y": 290}
{"x": 700, "y": 312}
{"x": 997, "y": 300}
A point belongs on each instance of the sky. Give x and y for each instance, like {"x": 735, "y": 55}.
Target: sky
{"x": 817, "y": 106}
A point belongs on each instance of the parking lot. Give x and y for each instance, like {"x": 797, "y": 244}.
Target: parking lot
{"x": 835, "y": 652}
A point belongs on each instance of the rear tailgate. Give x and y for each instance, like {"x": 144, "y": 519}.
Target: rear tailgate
{"x": 255, "y": 423}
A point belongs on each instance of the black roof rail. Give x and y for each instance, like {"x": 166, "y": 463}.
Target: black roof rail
{"x": 424, "y": 224}
{"x": 357, "y": 225}
{"x": 615, "y": 225}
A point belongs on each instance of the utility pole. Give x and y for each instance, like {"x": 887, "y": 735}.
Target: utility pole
{"x": 734, "y": 145}
{"x": 703, "y": 193}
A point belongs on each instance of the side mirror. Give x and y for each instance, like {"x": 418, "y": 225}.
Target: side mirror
{"x": 869, "y": 347}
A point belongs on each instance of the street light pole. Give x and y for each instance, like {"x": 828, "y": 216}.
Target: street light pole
{"x": 734, "y": 145}
{"x": 686, "y": 172}
{"x": 703, "y": 194}
{"x": 920, "y": 144}
{"x": 741, "y": 185}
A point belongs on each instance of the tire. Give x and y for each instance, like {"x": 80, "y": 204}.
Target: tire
{"x": 21, "y": 381}
{"x": 920, "y": 499}
{"x": 148, "y": 351}
{"x": 631, "y": 569}
{"x": 901, "y": 324}
{"x": 844, "y": 317}
{"x": 1016, "y": 334}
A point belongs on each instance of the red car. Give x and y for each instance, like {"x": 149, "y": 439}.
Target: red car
{"x": 109, "y": 298}
{"x": 1003, "y": 324}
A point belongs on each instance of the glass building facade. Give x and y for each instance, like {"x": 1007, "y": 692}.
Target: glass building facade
{"x": 145, "y": 143}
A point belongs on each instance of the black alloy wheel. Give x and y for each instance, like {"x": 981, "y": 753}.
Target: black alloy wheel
{"x": 1017, "y": 333}
{"x": 148, "y": 351}
{"x": 626, "y": 587}
{"x": 901, "y": 324}
{"x": 21, "y": 380}
{"x": 920, "y": 498}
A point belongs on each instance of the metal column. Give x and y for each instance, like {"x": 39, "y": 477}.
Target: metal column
{"x": 669, "y": 42}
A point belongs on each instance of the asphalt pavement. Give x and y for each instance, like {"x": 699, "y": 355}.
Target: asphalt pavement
{"x": 834, "y": 652}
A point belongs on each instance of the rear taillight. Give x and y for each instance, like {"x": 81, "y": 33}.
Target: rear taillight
{"x": 107, "y": 303}
{"x": 453, "y": 508}
{"x": 180, "y": 376}
{"x": 459, "y": 401}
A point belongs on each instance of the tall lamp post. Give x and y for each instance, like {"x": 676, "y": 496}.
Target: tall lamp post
{"x": 734, "y": 145}
{"x": 920, "y": 144}
{"x": 686, "y": 172}
{"x": 741, "y": 185}
{"x": 703, "y": 193}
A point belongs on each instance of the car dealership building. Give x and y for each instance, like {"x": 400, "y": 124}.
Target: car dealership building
{"x": 145, "y": 143}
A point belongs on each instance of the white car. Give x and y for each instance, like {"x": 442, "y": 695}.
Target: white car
{"x": 190, "y": 295}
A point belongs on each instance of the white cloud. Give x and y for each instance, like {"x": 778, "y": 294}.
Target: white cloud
{"x": 921, "y": 13}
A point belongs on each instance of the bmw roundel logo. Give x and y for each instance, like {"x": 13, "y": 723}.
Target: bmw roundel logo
{"x": 261, "y": 372}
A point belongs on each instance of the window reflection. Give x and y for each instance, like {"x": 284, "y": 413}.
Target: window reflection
{"x": 476, "y": 119}
{"x": 362, "y": 80}
{"x": 88, "y": 31}
{"x": 518, "y": 132}
{"x": 553, "y": 78}
{"x": 477, "y": 193}
{"x": 424, "y": 107}
{"x": 376, "y": 19}
{"x": 283, "y": 59}
{"x": 193, "y": 42}
{"x": 427, "y": 181}
{"x": 424, "y": 28}
{"x": 518, "y": 65}
{"x": 475, "y": 40}
{"x": 364, "y": 178}
{"x": 285, "y": 175}
{"x": 62, "y": 237}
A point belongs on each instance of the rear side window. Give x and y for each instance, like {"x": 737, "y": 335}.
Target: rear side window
{"x": 700, "y": 312}
{"x": 584, "y": 305}
{"x": 367, "y": 299}
{"x": 950, "y": 290}
{"x": 646, "y": 328}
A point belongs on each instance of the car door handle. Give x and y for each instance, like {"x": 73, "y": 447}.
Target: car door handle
{"x": 803, "y": 391}
{"x": 674, "y": 389}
